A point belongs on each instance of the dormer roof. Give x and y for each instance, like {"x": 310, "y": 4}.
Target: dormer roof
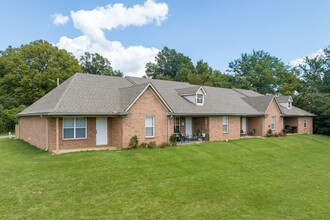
{"x": 190, "y": 90}
{"x": 283, "y": 99}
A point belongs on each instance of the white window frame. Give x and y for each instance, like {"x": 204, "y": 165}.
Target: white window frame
{"x": 227, "y": 122}
{"x": 273, "y": 123}
{"x": 177, "y": 119}
{"x": 74, "y": 128}
{"x": 153, "y": 126}
{"x": 289, "y": 104}
{"x": 305, "y": 122}
{"x": 200, "y": 103}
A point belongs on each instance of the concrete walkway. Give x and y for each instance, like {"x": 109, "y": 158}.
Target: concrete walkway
{"x": 84, "y": 149}
{"x": 1, "y": 137}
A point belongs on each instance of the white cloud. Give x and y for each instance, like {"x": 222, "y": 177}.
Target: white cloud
{"x": 130, "y": 60}
{"x": 59, "y": 19}
{"x": 300, "y": 60}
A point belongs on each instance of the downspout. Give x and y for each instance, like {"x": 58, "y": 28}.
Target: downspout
{"x": 46, "y": 134}
{"x": 168, "y": 128}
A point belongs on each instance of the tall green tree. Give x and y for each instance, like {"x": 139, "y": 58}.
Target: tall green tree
{"x": 315, "y": 94}
{"x": 203, "y": 74}
{"x": 94, "y": 63}
{"x": 30, "y": 71}
{"x": 316, "y": 72}
{"x": 170, "y": 64}
{"x": 260, "y": 71}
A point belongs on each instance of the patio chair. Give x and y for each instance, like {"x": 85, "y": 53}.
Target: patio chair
{"x": 182, "y": 136}
{"x": 243, "y": 133}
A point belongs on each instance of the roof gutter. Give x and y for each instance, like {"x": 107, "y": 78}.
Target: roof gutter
{"x": 214, "y": 114}
{"x": 73, "y": 114}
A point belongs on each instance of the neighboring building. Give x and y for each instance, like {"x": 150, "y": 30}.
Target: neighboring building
{"x": 87, "y": 111}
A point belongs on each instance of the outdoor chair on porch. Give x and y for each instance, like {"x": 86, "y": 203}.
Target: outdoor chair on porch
{"x": 243, "y": 133}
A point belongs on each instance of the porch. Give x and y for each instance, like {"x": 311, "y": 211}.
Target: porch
{"x": 291, "y": 124}
{"x": 191, "y": 129}
{"x": 251, "y": 126}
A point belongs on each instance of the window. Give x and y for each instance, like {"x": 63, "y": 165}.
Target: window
{"x": 289, "y": 104}
{"x": 273, "y": 123}
{"x": 225, "y": 124}
{"x": 74, "y": 128}
{"x": 305, "y": 122}
{"x": 149, "y": 126}
{"x": 200, "y": 99}
{"x": 176, "y": 125}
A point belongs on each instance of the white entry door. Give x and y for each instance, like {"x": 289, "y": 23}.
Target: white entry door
{"x": 101, "y": 131}
{"x": 244, "y": 124}
{"x": 189, "y": 126}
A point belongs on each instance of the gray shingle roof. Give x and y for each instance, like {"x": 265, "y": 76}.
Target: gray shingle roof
{"x": 260, "y": 103}
{"x": 81, "y": 94}
{"x": 294, "y": 111}
{"x": 188, "y": 90}
{"x": 87, "y": 94}
{"x": 219, "y": 101}
{"x": 283, "y": 99}
{"x": 247, "y": 93}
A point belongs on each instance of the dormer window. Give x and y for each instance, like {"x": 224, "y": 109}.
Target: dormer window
{"x": 200, "y": 99}
{"x": 289, "y": 104}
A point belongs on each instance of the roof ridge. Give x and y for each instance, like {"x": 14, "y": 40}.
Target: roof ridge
{"x": 239, "y": 92}
{"x": 65, "y": 90}
{"x": 130, "y": 80}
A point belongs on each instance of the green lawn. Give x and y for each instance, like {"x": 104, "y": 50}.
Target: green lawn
{"x": 286, "y": 178}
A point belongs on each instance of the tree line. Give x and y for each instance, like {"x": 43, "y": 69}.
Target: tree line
{"x": 30, "y": 71}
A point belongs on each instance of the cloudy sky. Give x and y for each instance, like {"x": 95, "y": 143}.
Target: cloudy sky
{"x": 130, "y": 33}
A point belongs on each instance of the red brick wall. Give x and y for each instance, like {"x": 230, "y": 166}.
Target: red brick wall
{"x": 116, "y": 131}
{"x": 255, "y": 123}
{"x": 215, "y": 128}
{"x": 292, "y": 121}
{"x": 273, "y": 110}
{"x": 33, "y": 130}
{"x": 215, "y": 125}
{"x": 301, "y": 129}
{"x": 88, "y": 142}
{"x": 200, "y": 123}
{"x": 134, "y": 124}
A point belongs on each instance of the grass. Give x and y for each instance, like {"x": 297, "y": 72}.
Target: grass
{"x": 286, "y": 178}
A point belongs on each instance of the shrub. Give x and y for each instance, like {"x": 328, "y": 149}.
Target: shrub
{"x": 281, "y": 134}
{"x": 284, "y": 131}
{"x": 276, "y": 135}
{"x": 269, "y": 133}
{"x": 143, "y": 144}
{"x": 173, "y": 139}
{"x": 152, "y": 145}
{"x": 133, "y": 143}
{"x": 163, "y": 145}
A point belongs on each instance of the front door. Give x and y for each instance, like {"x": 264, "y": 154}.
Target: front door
{"x": 244, "y": 125}
{"x": 101, "y": 131}
{"x": 189, "y": 126}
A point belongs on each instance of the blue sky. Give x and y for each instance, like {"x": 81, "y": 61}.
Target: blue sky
{"x": 215, "y": 31}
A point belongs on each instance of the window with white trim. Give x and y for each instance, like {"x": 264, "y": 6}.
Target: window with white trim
{"x": 289, "y": 104}
{"x": 176, "y": 125}
{"x": 200, "y": 99}
{"x": 74, "y": 128}
{"x": 305, "y": 122}
{"x": 273, "y": 123}
{"x": 225, "y": 124}
{"x": 149, "y": 127}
